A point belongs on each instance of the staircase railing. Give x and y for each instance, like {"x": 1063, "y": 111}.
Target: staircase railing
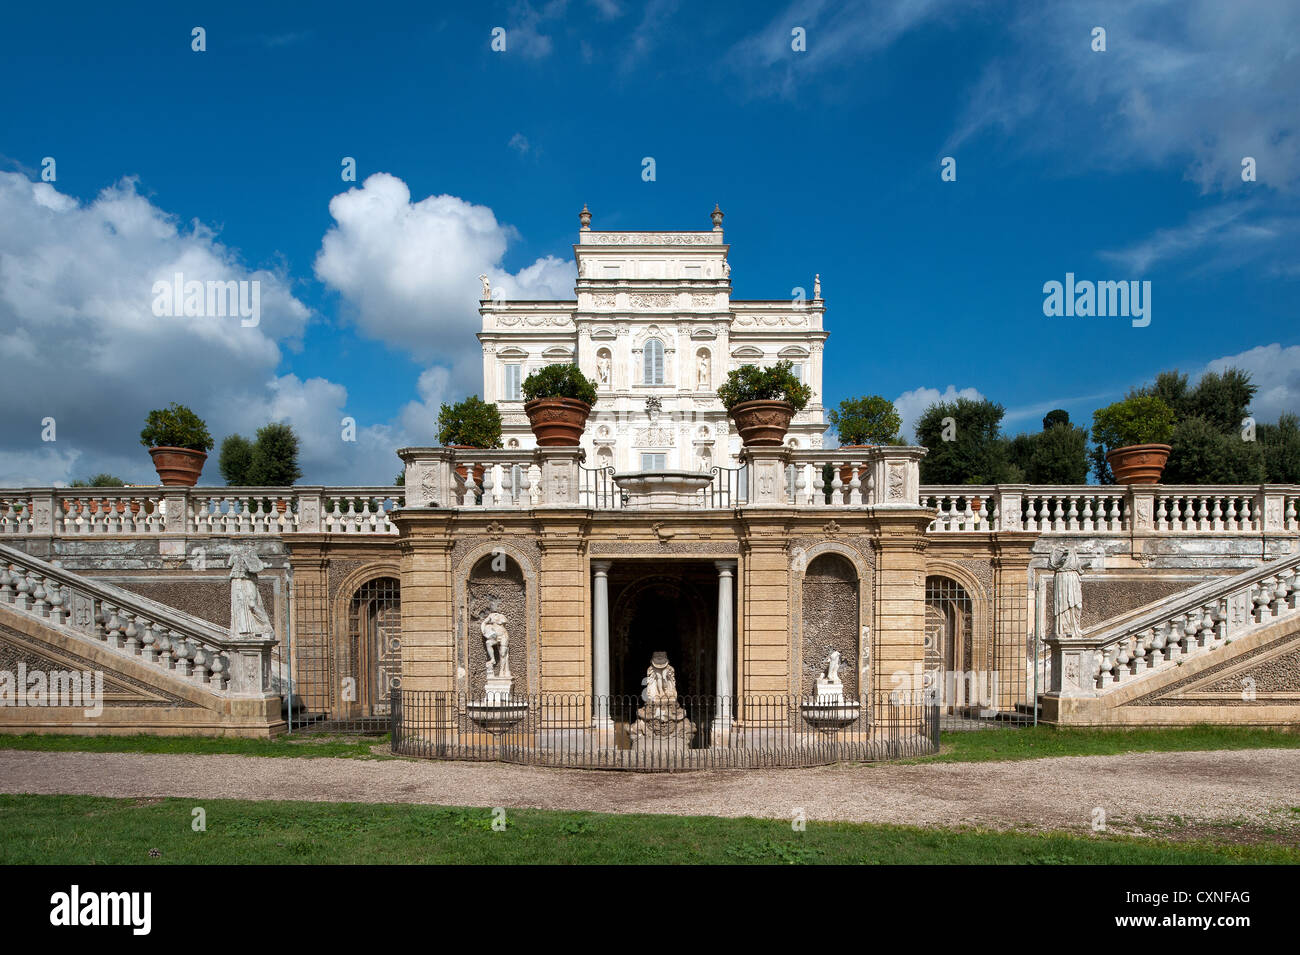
{"x": 1169, "y": 631}
{"x": 189, "y": 647}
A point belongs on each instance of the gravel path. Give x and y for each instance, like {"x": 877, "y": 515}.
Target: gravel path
{"x": 1255, "y": 786}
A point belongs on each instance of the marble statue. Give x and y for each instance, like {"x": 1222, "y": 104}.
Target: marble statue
{"x": 703, "y": 370}
{"x": 662, "y": 719}
{"x": 817, "y": 286}
{"x": 830, "y": 685}
{"x": 248, "y": 617}
{"x": 726, "y": 269}
{"x": 1067, "y": 592}
{"x": 496, "y": 641}
{"x": 602, "y": 369}
{"x": 487, "y": 287}
{"x": 832, "y": 665}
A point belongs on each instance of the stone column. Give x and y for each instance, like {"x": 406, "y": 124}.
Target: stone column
{"x": 725, "y": 683}
{"x": 600, "y": 639}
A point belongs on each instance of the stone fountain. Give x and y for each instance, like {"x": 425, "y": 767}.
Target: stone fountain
{"x": 828, "y": 709}
{"x": 498, "y": 710}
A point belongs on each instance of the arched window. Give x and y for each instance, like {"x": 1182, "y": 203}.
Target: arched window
{"x": 654, "y": 362}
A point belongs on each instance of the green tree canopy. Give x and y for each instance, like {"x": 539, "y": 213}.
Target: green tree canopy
{"x": 964, "y": 444}
{"x": 270, "y": 461}
{"x": 235, "y": 460}
{"x": 1281, "y": 446}
{"x": 869, "y": 420}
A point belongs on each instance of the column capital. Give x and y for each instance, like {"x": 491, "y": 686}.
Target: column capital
{"x": 601, "y": 567}
{"x": 725, "y": 568}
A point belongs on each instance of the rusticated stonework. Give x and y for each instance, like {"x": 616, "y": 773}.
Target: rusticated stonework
{"x": 1265, "y": 676}
{"x": 119, "y": 689}
{"x": 830, "y": 620}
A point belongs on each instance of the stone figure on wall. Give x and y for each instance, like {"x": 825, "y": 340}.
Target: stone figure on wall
{"x": 496, "y": 641}
{"x": 832, "y": 665}
{"x": 817, "y": 286}
{"x": 1067, "y": 592}
{"x": 602, "y": 369}
{"x": 248, "y": 617}
{"x": 487, "y": 287}
{"x": 703, "y": 372}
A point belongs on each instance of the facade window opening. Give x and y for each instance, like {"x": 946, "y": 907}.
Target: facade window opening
{"x": 514, "y": 390}
{"x": 654, "y": 362}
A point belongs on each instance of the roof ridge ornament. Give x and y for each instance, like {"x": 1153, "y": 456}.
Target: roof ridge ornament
{"x": 584, "y": 217}
{"x": 716, "y": 216}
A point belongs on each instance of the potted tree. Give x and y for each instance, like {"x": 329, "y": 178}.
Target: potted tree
{"x": 1134, "y": 434}
{"x": 864, "y": 423}
{"x": 558, "y": 400}
{"x": 179, "y": 443}
{"x": 468, "y": 424}
{"x": 762, "y": 401}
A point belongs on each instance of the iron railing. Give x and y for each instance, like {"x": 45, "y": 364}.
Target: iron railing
{"x": 730, "y": 487}
{"x": 598, "y": 490}
{"x": 622, "y": 732}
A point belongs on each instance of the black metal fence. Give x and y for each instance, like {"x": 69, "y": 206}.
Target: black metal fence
{"x": 622, "y": 732}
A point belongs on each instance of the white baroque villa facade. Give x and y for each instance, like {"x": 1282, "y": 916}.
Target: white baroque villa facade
{"x": 653, "y": 318}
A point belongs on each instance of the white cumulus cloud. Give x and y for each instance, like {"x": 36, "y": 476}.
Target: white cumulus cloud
{"x": 911, "y": 404}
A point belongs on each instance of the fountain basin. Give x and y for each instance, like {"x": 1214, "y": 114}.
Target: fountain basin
{"x": 663, "y": 489}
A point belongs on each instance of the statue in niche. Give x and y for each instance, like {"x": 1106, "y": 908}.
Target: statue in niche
{"x": 248, "y": 617}
{"x": 602, "y": 369}
{"x": 487, "y": 287}
{"x": 832, "y": 665}
{"x": 662, "y": 719}
{"x": 1067, "y": 592}
{"x": 703, "y": 372}
{"x": 496, "y": 641}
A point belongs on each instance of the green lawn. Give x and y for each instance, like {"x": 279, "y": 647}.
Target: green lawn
{"x": 89, "y": 829}
{"x": 1035, "y": 742}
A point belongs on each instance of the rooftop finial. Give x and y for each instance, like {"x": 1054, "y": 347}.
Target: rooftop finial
{"x": 716, "y": 216}
{"x": 817, "y": 287}
{"x": 585, "y": 218}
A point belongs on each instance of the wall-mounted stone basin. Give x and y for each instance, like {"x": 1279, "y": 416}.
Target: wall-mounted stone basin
{"x": 663, "y": 489}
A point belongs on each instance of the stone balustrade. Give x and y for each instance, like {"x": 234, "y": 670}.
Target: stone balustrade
{"x": 1114, "y": 509}
{"x": 182, "y": 511}
{"x": 557, "y": 477}
{"x": 136, "y": 626}
{"x": 1166, "y": 633}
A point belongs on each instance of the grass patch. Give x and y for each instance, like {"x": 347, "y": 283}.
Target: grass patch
{"x": 62, "y": 830}
{"x": 1040, "y": 742}
{"x": 348, "y": 747}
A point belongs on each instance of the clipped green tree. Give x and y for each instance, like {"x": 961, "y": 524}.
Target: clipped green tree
{"x": 236, "y": 460}
{"x": 964, "y": 443}
{"x": 472, "y": 422}
{"x": 865, "y": 421}
{"x": 275, "y": 457}
{"x": 1280, "y": 444}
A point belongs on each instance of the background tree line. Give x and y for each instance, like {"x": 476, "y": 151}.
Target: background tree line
{"x": 1213, "y": 440}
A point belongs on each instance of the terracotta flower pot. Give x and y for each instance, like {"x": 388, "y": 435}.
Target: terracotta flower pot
{"x": 178, "y": 467}
{"x": 463, "y": 469}
{"x": 846, "y": 470}
{"x": 557, "y": 422}
{"x": 1138, "y": 463}
{"x": 763, "y": 423}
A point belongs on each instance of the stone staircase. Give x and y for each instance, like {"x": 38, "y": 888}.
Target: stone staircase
{"x": 81, "y": 656}
{"x": 1225, "y": 651}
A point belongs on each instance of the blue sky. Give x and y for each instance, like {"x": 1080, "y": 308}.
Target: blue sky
{"x": 1115, "y": 165}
